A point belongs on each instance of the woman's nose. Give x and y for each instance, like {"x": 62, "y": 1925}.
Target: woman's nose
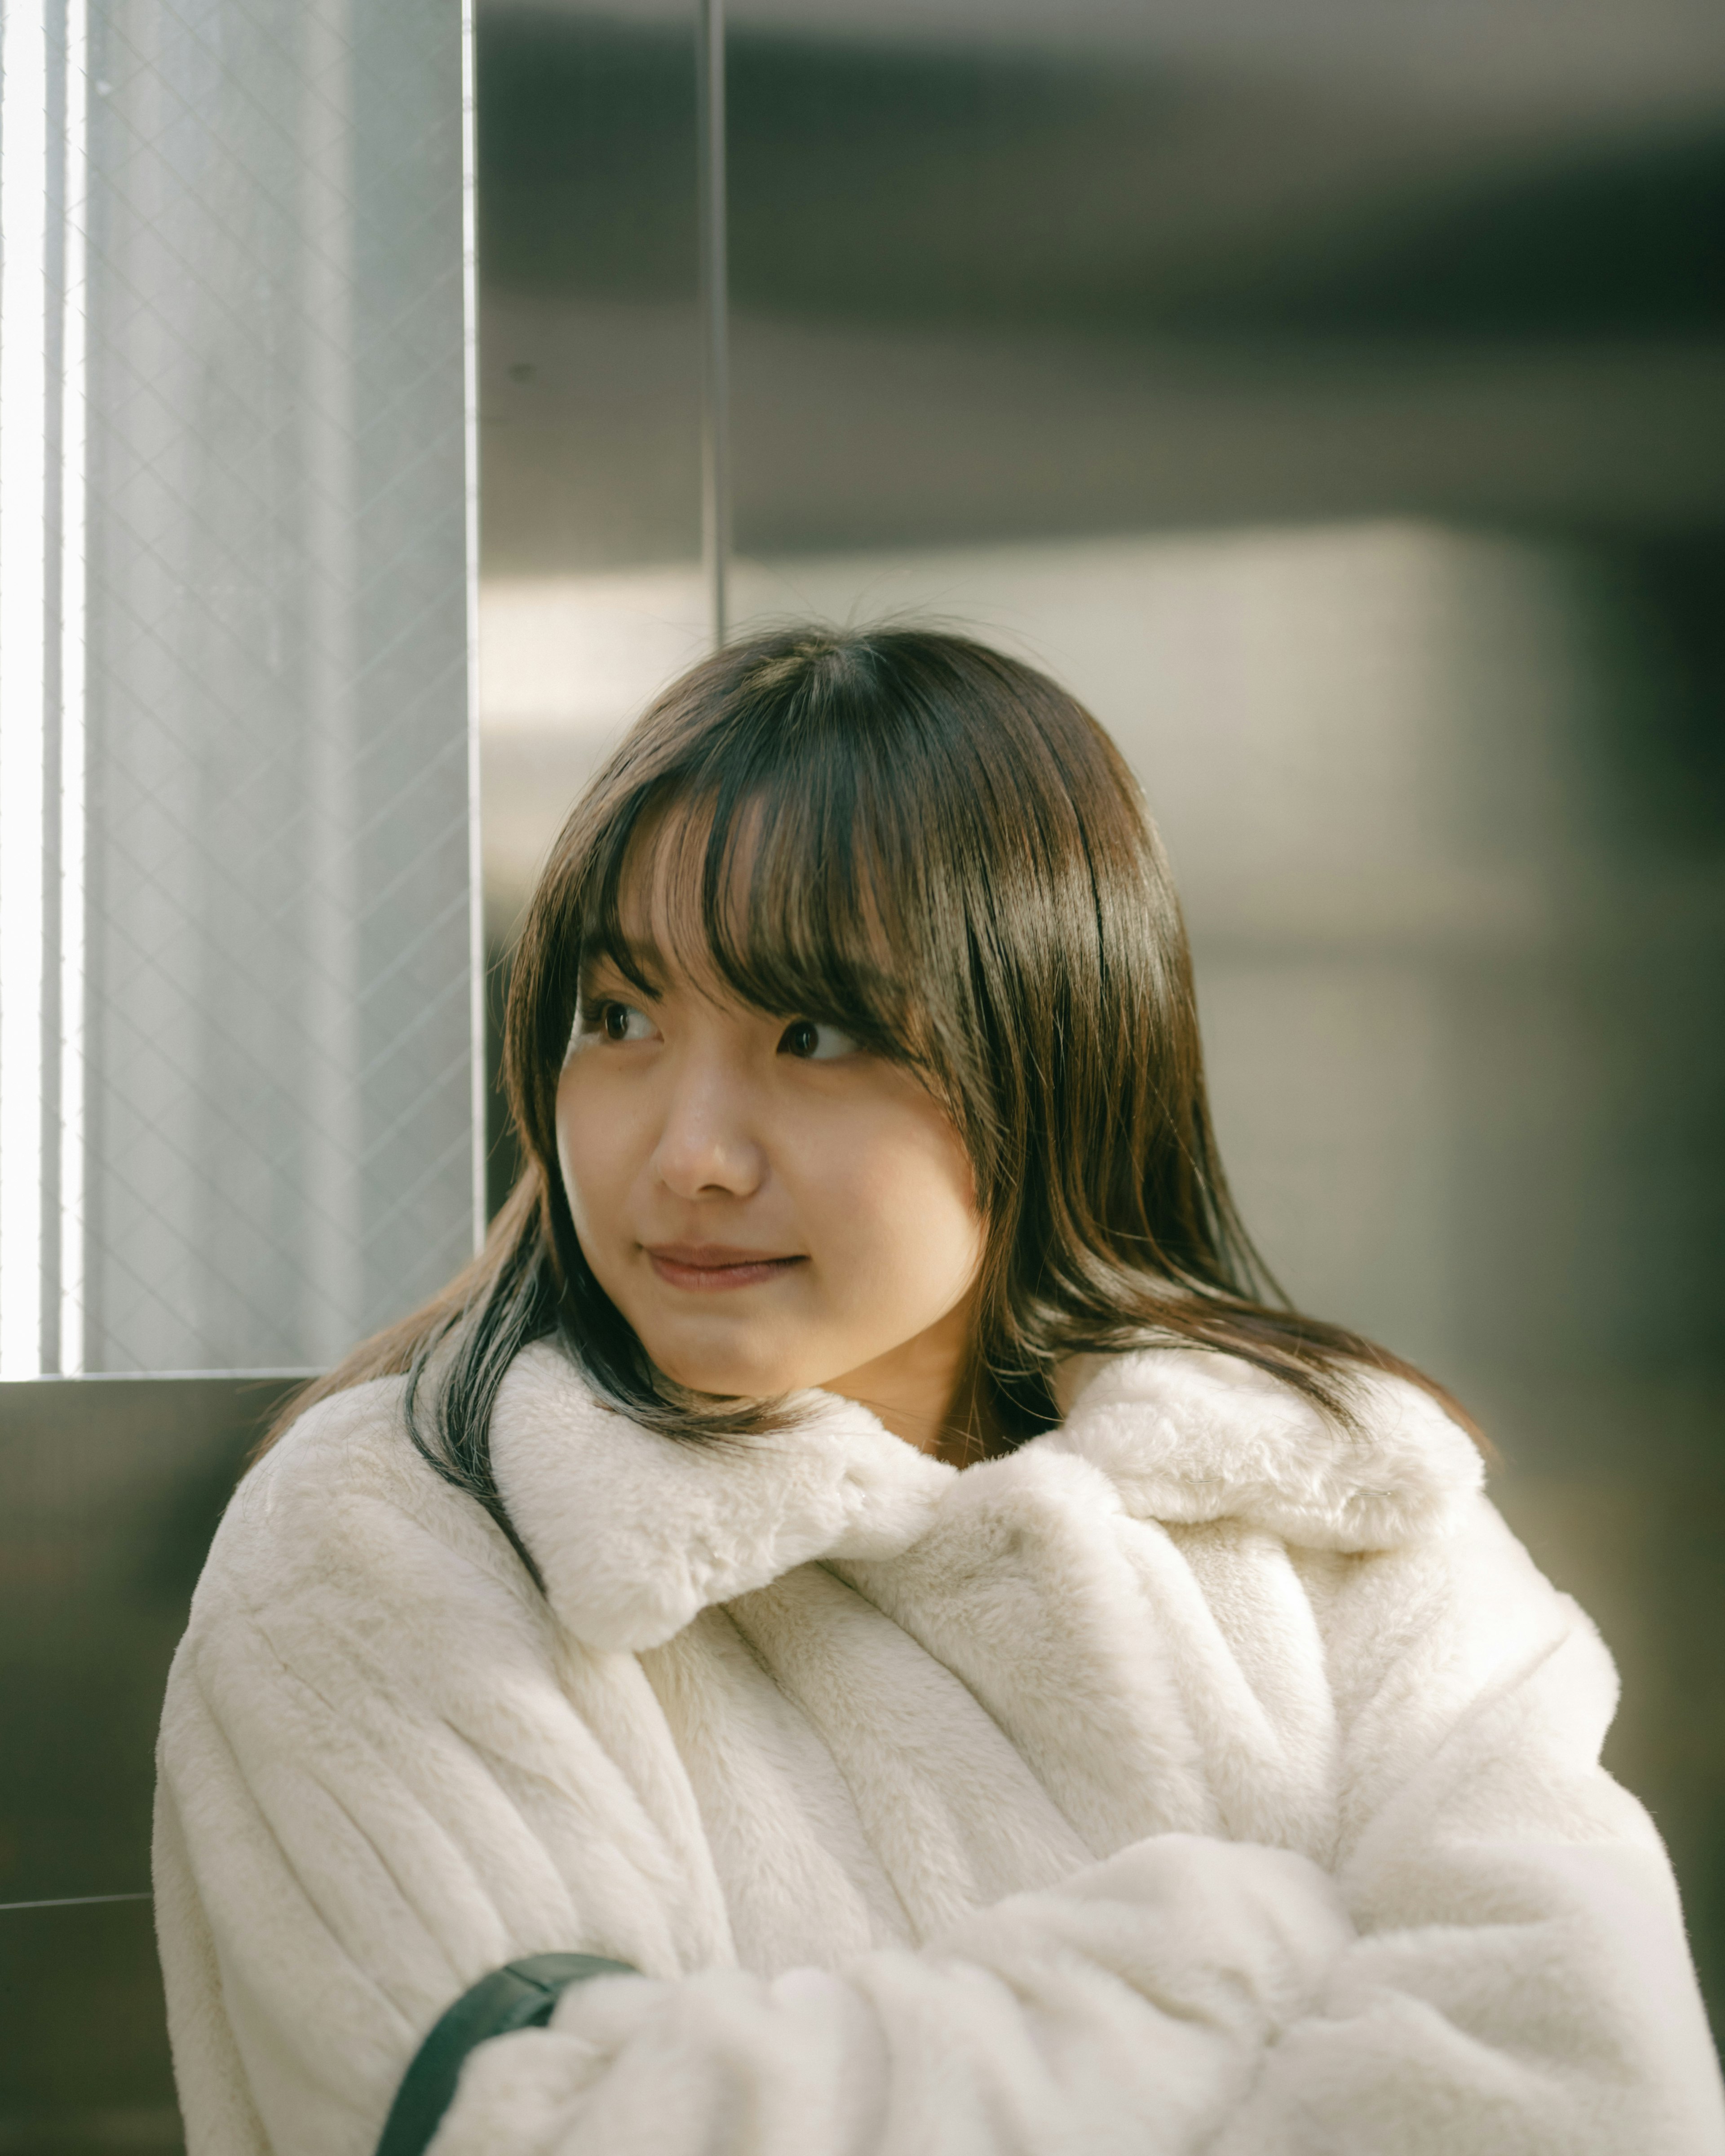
{"x": 708, "y": 1144}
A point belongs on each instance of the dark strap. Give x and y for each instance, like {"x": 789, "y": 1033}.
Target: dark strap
{"x": 520, "y": 1996}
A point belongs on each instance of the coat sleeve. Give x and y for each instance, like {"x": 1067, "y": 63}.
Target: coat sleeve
{"x": 1129, "y": 2010}
{"x": 1519, "y": 1980}
{"x": 1494, "y": 1963}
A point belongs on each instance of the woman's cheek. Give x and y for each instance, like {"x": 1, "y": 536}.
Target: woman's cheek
{"x": 591, "y": 1149}
{"x": 898, "y": 1220}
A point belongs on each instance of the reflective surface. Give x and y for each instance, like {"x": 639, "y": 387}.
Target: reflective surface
{"x": 590, "y": 406}
{"x": 113, "y": 1489}
{"x": 65, "y": 1973}
{"x": 1161, "y": 269}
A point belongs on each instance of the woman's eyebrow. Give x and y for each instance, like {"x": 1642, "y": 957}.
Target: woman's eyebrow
{"x": 638, "y": 959}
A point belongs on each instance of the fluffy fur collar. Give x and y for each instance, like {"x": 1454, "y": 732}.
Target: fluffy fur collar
{"x": 636, "y": 1534}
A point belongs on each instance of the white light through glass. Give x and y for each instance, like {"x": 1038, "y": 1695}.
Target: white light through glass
{"x": 23, "y": 483}
{"x": 72, "y": 680}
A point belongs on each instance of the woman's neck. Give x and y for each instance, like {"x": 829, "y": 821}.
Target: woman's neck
{"x": 930, "y": 1391}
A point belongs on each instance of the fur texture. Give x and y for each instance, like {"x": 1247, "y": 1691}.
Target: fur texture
{"x": 1200, "y": 1777}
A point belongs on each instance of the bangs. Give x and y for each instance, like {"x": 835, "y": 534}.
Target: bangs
{"x": 786, "y": 880}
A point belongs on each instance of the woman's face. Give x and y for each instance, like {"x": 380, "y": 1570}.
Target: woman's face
{"x": 768, "y": 1206}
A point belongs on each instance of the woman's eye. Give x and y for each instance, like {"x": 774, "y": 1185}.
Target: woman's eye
{"x": 624, "y": 1022}
{"x": 814, "y": 1043}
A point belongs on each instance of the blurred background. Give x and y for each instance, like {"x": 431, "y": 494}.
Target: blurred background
{"x": 1331, "y": 394}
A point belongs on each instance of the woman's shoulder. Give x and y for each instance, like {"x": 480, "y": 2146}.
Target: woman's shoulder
{"x": 344, "y": 1509}
{"x": 1190, "y": 1435}
{"x": 1413, "y": 1577}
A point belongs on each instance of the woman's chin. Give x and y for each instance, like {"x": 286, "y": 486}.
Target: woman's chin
{"x": 728, "y": 1377}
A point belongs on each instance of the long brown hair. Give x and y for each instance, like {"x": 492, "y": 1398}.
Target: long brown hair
{"x": 934, "y": 847}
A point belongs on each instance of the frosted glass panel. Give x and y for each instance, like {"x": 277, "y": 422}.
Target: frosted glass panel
{"x": 256, "y": 1066}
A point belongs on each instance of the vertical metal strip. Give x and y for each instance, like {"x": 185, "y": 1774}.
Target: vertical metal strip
{"x": 332, "y": 1266}
{"x": 715, "y": 318}
{"x": 476, "y": 846}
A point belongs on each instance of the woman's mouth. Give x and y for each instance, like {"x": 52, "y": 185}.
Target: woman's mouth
{"x": 705, "y": 1267}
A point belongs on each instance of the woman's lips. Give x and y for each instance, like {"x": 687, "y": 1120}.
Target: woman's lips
{"x": 705, "y": 1266}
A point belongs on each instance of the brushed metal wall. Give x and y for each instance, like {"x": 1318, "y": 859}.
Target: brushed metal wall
{"x": 113, "y": 1489}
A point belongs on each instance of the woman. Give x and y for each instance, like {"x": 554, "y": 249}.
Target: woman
{"x": 860, "y": 1559}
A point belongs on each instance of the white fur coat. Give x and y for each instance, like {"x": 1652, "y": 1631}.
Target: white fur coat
{"x": 1198, "y": 1778}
